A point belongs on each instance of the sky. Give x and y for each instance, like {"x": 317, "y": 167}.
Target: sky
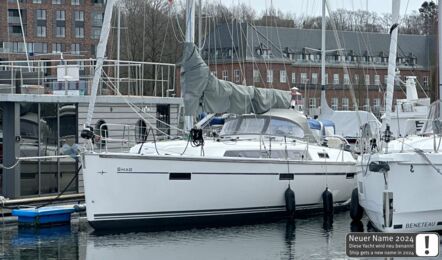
{"x": 313, "y": 7}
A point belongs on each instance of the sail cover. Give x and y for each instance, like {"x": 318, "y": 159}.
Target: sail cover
{"x": 201, "y": 88}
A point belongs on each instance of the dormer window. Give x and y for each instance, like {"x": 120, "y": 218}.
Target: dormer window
{"x": 263, "y": 51}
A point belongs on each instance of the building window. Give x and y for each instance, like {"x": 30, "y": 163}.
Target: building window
{"x": 367, "y": 79}
{"x": 97, "y": 19}
{"x": 36, "y": 1}
{"x": 312, "y": 102}
{"x": 60, "y": 15}
{"x": 425, "y": 81}
{"x": 377, "y": 80}
{"x": 377, "y": 103}
{"x": 367, "y": 104}
{"x": 79, "y": 16}
{"x": 41, "y": 14}
{"x": 237, "y": 75}
{"x": 79, "y": 32}
{"x": 293, "y": 77}
{"x": 96, "y": 33}
{"x": 335, "y": 79}
{"x": 282, "y": 76}
{"x": 356, "y": 76}
{"x": 256, "y": 76}
{"x": 269, "y": 76}
{"x": 75, "y": 48}
{"x": 314, "y": 78}
{"x": 75, "y": 2}
{"x": 15, "y": 29}
{"x": 57, "y": 47}
{"x": 335, "y": 103}
{"x": 326, "y": 79}
{"x": 346, "y": 79}
{"x": 60, "y": 31}
{"x": 356, "y": 104}
{"x": 37, "y": 47}
{"x": 56, "y": 2}
{"x": 345, "y": 105}
{"x": 304, "y": 78}
{"x": 225, "y": 75}
{"x": 385, "y": 79}
{"x": 41, "y": 31}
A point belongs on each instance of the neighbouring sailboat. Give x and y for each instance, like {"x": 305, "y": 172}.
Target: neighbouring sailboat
{"x": 399, "y": 184}
{"x": 264, "y": 164}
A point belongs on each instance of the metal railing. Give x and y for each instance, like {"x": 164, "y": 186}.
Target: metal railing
{"x": 127, "y": 77}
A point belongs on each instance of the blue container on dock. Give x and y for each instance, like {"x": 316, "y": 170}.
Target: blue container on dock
{"x": 54, "y": 215}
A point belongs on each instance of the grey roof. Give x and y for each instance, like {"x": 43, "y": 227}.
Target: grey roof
{"x": 246, "y": 38}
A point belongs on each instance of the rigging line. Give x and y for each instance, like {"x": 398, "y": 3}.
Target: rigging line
{"x": 179, "y": 25}
{"x": 338, "y": 42}
{"x": 413, "y": 72}
{"x": 282, "y": 55}
{"x": 233, "y": 47}
{"x": 131, "y": 105}
{"x": 171, "y": 16}
{"x": 23, "y": 35}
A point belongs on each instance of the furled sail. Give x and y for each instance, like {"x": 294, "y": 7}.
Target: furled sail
{"x": 201, "y": 88}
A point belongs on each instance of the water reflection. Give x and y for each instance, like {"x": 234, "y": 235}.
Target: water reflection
{"x": 309, "y": 238}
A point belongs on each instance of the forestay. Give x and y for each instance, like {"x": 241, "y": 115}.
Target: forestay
{"x": 220, "y": 96}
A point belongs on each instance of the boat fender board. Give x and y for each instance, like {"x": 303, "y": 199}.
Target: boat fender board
{"x": 290, "y": 203}
{"x": 327, "y": 200}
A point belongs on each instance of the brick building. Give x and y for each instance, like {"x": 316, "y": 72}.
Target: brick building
{"x": 51, "y": 26}
{"x": 286, "y": 57}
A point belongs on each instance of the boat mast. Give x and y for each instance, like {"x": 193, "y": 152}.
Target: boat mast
{"x": 324, "y": 104}
{"x": 391, "y": 62}
{"x": 439, "y": 27}
{"x": 118, "y": 46}
{"x": 190, "y": 38}
{"x": 101, "y": 51}
{"x": 200, "y": 25}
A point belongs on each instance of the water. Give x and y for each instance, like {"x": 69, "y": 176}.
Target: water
{"x": 309, "y": 238}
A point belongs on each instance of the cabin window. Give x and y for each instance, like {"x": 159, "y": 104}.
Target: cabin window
{"x": 286, "y": 176}
{"x": 284, "y": 128}
{"x": 230, "y": 127}
{"x": 180, "y": 176}
{"x": 323, "y": 155}
{"x": 275, "y": 154}
{"x": 251, "y": 126}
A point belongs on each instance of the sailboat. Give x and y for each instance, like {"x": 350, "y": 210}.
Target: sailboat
{"x": 265, "y": 164}
{"x": 398, "y": 187}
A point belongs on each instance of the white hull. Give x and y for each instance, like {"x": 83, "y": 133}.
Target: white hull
{"x": 416, "y": 191}
{"x": 126, "y": 190}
